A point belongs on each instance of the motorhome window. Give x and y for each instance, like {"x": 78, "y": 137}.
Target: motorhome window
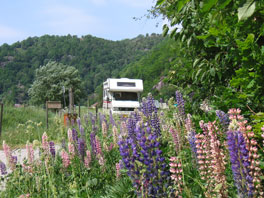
{"x": 126, "y": 84}
{"x": 126, "y": 96}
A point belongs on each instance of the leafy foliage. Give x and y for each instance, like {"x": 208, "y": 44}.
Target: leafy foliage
{"x": 50, "y": 80}
{"x": 222, "y": 47}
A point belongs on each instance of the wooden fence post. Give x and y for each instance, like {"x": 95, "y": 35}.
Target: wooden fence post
{"x": 47, "y": 114}
{"x": 96, "y": 112}
{"x": 71, "y": 101}
{"x": 1, "y": 117}
{"x": 79, "y": 110}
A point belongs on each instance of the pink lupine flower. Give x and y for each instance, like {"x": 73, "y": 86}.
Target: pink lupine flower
{"x": 65, "y": 158}
{"x": 98, "y": 146}
{"x": 71, "y": 150}
{"x": 87, "y": 159}
{"x": 6, "y": 150}
{"x": 118, "y": 170}
{"x": 101, "y": 160}
{"x": 104, "y": 129}
{"x": 188, "y": 123}
{"x": 115, "y": 131}
{"x": 45, "y": 143}
{"x": 30, "y": 152}
{"x": 111, "y": 146}
{"x": 26, "y": 168}
{"x": 24, "y": 196}
{"x": 11, "y": 160}
{"x": 70, "y": 137}
{"x": 176, "y": 176}
{"x": 176, "y": 138}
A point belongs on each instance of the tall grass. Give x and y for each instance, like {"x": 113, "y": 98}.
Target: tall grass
{"x": 27, "y": 123}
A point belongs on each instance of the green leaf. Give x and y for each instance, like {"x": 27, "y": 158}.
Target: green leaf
{"x": 208, "y": 4}
{"x": 224, "y": 4}
{"x": 159, "y": 2}
{"x": 218, "y": 187}
{"x": 251, "y": 84}
{"x": 165, "y": 30}
{"x": 212, "y": 72}
{"x": 203, "y": 76}
{"x": 181, "y": 4}
{"x": 189, "y": 41}
{"x": 172, "y": 33}
{"x": 197, "y": 74}
{"x": 247, "y": 10}
{"x": 262, "y": 49}
{"x": 174, "y": 21}
{"x": 196, "y": 61}
{"x": 203, "y": 37}
{"x": 219, "y": 75}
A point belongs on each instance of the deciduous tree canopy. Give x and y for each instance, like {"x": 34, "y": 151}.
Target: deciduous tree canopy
{"x": 222, "y": 47}
{"x": 50, "y": 80}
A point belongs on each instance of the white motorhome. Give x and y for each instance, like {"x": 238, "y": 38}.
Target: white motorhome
{"x": 122, "y": 95}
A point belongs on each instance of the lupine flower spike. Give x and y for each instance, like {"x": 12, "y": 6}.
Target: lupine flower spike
{"x": 118, "y": 170}
{"x": 3, "y": 168}
{"x": 45, "y": 144}
{"x": 254, "y": 171}
{"x": 176, "y": 175}
{"x": 11, "y": 160}
{"x": 65, "y": 158}
{"x": 30, "y": 152}
{"x": 87, "y": 159}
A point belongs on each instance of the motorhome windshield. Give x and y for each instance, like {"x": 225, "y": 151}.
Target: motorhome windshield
{"x": 132, "y": 96}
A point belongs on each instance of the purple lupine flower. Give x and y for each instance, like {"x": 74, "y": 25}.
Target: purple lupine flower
{"x": 223, "y": 117}
{"x": 14, "y": 159}
{"x": 150, "y": 111}
{"x": 72, "y": 122}
{"x": 102, "y": 119}
{"x": 52, "y": 148}
{"x": 192, "y": 139}
{"x": 112, "y": 121}
{"x": 93, "y": 142}
{"x": 143, "y": 158}
{"x": 74, "y": 135}
{"x": 86, "y": 119}
{"x": 81, "y": 148}
{"x": 82, "y": 131}
{"x": 63, "y": 144}
{"x": 240, "y": 164}
{"x": 92, "y": 118}
{"x": 180, "y": 102}
{"x": 3, "y": 168}
{"x": 121, "y": 164}
{"x": 78, "y": 122}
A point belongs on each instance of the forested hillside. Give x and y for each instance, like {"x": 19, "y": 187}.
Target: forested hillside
{"x": 154, "y": 67}
{"x": 95, "y": 58}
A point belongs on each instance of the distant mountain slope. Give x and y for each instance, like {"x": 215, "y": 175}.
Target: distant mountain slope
{"x": 95, "y": 58}
{"x": 154, "y": 66}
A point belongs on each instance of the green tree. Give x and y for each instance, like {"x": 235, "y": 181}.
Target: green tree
{"x": 49, "y": 82}
{"x": 224, "y": 40}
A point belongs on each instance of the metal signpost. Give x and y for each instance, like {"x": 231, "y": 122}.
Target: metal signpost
{"x": 52, "y": 105}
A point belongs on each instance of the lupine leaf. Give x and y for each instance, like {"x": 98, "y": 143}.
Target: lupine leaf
{"x": 247, "y": 10}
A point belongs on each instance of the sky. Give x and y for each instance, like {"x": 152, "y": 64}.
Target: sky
{"x": 108, "y": 19}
